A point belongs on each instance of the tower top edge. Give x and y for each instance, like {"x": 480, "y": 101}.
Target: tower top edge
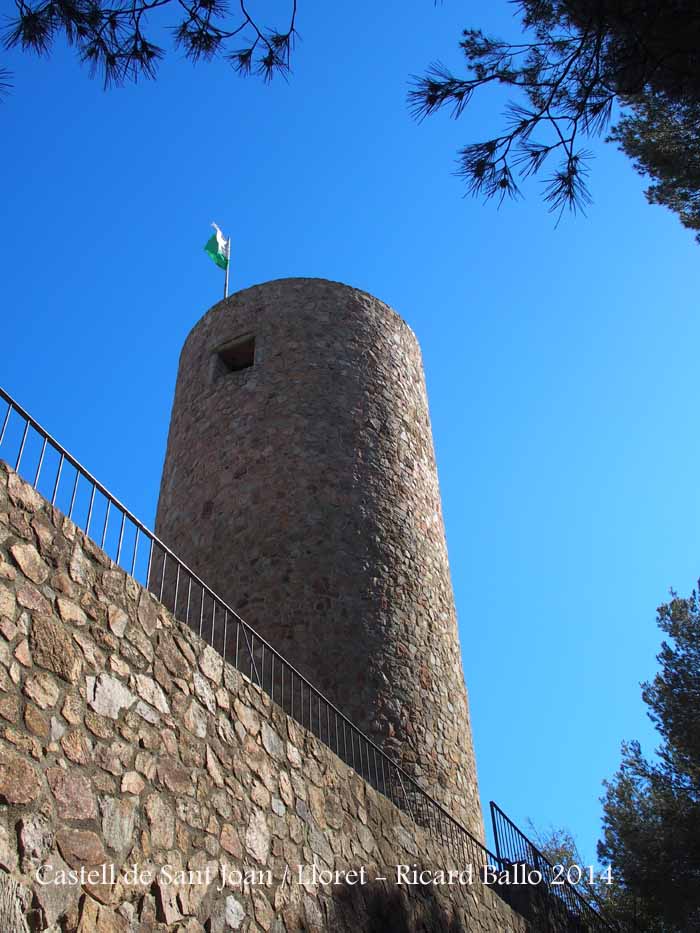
{"x": 308, "y": 282}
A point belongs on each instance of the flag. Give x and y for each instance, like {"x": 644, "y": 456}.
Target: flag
{"x": 217, "y": 247}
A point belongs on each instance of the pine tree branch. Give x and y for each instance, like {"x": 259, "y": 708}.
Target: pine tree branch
{"x": 111, "y": 38}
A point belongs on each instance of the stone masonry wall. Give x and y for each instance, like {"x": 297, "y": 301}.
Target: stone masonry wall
{"x": 304, "y": 490}
{"x": 128, "y": 748}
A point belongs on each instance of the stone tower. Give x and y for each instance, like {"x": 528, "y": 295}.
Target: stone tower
{"x": 300, "y": 483}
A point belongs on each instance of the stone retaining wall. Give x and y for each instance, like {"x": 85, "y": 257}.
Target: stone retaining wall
{"x": 132, "y": 756}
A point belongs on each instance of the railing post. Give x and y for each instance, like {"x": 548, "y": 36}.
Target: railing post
{"x": 496, "y": 840}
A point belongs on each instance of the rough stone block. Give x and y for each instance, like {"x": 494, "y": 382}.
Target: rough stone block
{"x": 52, "y": 648}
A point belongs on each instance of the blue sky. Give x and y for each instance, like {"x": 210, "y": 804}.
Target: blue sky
{"x": 561, "y": 361}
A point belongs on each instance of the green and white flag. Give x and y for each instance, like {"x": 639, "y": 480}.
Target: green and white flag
{"x": 218, "y": 248}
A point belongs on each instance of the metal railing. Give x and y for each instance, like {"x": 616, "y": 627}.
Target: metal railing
{"x": 65, "y": 483}
{"x": 33, "y": 453}
{"x": 514, "y": 849}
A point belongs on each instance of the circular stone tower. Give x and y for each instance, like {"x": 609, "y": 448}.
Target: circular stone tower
{"x": 300, "y": 484}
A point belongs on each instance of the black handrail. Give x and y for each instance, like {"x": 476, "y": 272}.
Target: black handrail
{"x": 515, "y": 848}
{"x": 191, "y": 601}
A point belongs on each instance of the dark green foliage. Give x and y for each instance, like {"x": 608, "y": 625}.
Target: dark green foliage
{"x": 582, "y": 57}
{"x": 111, "y": 37}
{"x": 663, "y": 139}
{"x": 651, "y": 822}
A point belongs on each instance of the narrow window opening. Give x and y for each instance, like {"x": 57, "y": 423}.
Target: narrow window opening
{"x": 238, "y": 355}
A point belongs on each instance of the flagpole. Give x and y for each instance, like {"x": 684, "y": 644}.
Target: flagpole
{"x": 228, "y": 264}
